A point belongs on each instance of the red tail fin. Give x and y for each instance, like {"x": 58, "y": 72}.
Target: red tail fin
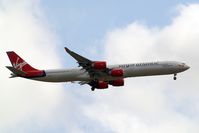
{"x": 25, "y": 70}
{"x": 18, "y": 63}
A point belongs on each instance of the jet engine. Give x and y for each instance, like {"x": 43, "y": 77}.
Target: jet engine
{"x": 117, "y": 72}
{"x": 101, "y": 85}
{"x": 118, "y": 82}
{"x": 99, "y": 65}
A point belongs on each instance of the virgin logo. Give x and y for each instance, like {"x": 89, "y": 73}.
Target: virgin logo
{"x": 18, "y": 65}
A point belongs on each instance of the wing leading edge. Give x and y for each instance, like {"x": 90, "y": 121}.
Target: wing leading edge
{"x": 80, "y": 59}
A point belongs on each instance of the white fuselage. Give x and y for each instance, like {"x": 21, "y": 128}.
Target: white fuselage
{"x": 130, "y": 70}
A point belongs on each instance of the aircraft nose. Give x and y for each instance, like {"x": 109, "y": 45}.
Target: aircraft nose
{"x": 183, "y": 66}
{"x": 186, "y": 67}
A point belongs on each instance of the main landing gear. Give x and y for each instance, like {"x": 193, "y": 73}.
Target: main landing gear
{"x": 93, "y": 84}
{"x": 174, "y": 78}
{"x": 93, "y": 88}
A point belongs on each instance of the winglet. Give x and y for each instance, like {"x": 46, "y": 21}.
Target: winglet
{"x": 67, "y": 50}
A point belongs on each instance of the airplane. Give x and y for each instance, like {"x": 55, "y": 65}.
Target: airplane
{"x": 97, "y": 74}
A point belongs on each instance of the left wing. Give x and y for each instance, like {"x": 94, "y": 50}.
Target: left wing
{"x": 96, "y": 69}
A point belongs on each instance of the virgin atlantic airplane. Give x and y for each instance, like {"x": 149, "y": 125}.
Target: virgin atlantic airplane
{"x": 97, "y": 74}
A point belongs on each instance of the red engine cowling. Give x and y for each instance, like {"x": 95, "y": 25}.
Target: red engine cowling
{"x": 117, "y": 72}
{"x": 118, "y": 82}
{"x": 99, "y": 65}
{"x": 102, "y": 85}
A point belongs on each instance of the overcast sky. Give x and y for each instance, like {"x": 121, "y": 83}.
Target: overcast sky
{"x": 119, "y": 32}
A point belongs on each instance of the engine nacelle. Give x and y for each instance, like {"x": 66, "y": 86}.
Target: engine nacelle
{"x": 117, "y": 72}
{"x": 99, "y": 65}
{"x": 102, "y": 85}
{"x": 118, "y": 82}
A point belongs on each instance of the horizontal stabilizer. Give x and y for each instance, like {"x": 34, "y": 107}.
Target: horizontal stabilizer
{"x": 16, "y": 71}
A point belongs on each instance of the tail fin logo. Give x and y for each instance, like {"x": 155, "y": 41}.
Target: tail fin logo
{"x": 19, "y": 66}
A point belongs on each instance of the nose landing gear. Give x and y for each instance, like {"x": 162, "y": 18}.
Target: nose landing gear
{"x": 174, "y": 78}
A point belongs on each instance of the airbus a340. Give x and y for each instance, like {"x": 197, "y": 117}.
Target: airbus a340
{"x": 97, "y": 74}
